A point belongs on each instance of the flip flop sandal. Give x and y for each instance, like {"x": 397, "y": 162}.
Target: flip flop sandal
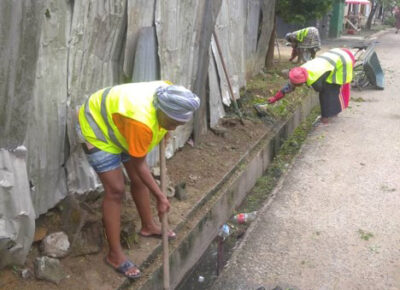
{"x": 124, "y": 267}
{"x": 158, "y": 236}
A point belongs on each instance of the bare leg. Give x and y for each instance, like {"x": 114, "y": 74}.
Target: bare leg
{"x": 113, "y": 182}
{"x": 141, "y": 196}
{"x": 294, "y": 54}
{"x": 300, "y": 55}
{"x": 313, "y": 53}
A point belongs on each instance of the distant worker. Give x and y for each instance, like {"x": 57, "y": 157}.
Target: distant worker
{"x": 305, "y": 43}
{"x": 122, "y": 124}
{"x": 397, "y": 18}
{"x": 329, "y": 74}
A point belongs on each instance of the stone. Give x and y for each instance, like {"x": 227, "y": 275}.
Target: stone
{"x": 49, "y": 269}
{"x": 155, "y": 171}
{"x": 170, "y": 191}
{"x": 180, "y": 191}
{"x": 229, "y": 122}
{"x": 55, "y": 245}
{"x": 193, "y": 178}
{"x": 88, "y": 240}
{"x": 284, "y": 73}
{"x": 210, "y": 144}
{"x": 262, "y": 109}
{"x": 26, "y": 274}
{"x": 83, "y": 226}
{"x": 219, "y": 131}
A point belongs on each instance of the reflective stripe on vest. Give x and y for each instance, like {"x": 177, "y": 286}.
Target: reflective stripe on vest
{"x": 301, "y": 34}
{"x": 92, "y": 123}
{"x": 104, "y": 114}
{"x": 337, "y": 61}
{"x": 133, "y": 101}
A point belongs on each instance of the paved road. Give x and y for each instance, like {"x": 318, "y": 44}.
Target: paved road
{"x": 335, "y": 220}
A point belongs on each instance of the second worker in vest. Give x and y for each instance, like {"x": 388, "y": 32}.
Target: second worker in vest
{"x": 329, "y": 74}
{"x": 122, "y": 124}
{"x": 305, "y": 43}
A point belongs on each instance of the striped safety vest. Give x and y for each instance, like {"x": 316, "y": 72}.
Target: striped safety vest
{"x": 337, "y": 61}
{"x": 301, "y": 34}
{"x": 133, "y": 100}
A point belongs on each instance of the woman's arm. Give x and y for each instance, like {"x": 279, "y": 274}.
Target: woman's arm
{"x": 288, "y": 88}
{"x": 143, "y": 172}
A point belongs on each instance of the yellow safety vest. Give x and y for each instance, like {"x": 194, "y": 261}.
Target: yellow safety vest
{"x": 337, "y": 61}
{"x": 301, "y": 34}
{"x": 133, "y": 100}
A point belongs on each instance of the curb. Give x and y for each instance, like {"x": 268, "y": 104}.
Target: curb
{"x": 379, "y": 33}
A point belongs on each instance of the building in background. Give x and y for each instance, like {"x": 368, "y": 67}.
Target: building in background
{"x": 355, "y": 15}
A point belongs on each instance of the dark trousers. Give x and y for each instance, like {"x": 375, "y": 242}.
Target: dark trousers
{"x": 329, "y": 100}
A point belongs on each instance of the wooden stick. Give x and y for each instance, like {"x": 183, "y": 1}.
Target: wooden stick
{"x": 277, "y": 46}
{"x": 235, "y": 105}
{"x": 164, "y": 219}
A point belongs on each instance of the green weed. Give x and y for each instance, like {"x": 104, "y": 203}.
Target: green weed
{"x": 359, "y": 99}
{"x": 365, "y": 235}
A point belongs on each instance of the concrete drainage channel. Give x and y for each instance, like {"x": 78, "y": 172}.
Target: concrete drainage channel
{"x": 205, "y": 272}
{"x": 203, "y": 222}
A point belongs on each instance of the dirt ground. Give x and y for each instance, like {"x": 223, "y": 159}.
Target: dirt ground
{"x": 200, "y": 167}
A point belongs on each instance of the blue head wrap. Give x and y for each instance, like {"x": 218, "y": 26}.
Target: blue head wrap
{"x": 176, "y": 102}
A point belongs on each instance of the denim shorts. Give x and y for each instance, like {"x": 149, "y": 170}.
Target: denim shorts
{"x": 102, "y": 161}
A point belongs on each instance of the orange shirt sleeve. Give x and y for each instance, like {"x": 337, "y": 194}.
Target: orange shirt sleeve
{"x": 137, "y": 135}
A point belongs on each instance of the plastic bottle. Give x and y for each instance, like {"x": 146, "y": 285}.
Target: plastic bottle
{"x": 242, "y": 218}
{"x": 223, "y": 231}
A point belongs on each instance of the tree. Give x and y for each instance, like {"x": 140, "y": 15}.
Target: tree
{"x": 374, "y": 7}
{"x": 375, "y": 3}
{"x": 302, "y": 11}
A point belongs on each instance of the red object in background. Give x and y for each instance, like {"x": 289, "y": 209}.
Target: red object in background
{"x": 362, "y": 2}
{"x": 351, "y": 31}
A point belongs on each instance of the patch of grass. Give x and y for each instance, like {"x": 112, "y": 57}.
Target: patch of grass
{"x": 359, "y": 100}
{"x": 266, "y": 183}
{"x": 386, "y": 188}
{"x": 265, "y": 85}
{"x": 365, "y": 235}
{"x": 374, "y": 249}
